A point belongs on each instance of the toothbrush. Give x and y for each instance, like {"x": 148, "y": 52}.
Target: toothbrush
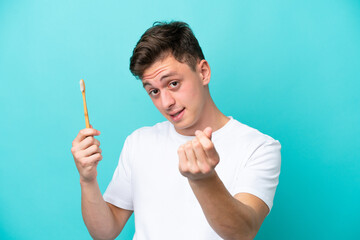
{"x": 82, "y": 89}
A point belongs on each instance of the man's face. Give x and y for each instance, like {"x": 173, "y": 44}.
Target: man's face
{"x": 178, "y": 92}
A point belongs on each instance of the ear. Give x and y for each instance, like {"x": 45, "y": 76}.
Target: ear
{"x": 205, "y": 72}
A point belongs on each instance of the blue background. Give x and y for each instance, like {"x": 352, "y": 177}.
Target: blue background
{"x": 288, "y": 68}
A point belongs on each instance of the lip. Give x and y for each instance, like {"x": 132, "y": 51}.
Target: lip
{"x": 179, "y": 115}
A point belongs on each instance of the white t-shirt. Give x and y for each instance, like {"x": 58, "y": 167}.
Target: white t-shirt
{"x": 147, "y": 179}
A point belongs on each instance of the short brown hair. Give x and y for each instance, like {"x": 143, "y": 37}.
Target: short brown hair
{"x": 174, "y": 37}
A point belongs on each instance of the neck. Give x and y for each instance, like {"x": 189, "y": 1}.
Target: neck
{"x": 214, "y": 117}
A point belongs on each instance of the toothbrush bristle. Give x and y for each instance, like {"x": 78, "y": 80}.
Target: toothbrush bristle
{"x": 82, "y": 85}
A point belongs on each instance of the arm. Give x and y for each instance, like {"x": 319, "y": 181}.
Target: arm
{"x": 238, "y": 217}
{"x": 103, "y": 220}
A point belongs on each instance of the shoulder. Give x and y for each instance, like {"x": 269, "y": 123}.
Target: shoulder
{"x": 249, "y": 133}
{"x": 252, "y": 138}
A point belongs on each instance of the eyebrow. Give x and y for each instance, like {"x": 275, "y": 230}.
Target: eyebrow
{"x": 170, "y": 74}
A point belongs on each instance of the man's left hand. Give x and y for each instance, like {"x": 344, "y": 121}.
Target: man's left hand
{"x": 198, "y": 157}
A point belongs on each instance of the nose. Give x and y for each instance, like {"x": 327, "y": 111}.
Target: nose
{"x": 167, "y": 100}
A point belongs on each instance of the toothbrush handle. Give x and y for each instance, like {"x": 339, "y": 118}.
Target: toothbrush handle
{"x": 87, "y": 122}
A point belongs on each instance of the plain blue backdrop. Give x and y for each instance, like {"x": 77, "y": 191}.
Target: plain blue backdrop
{"x": 288, "y": 68}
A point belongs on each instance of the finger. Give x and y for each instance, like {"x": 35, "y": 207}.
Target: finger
{"x": 93, "y": 159}
{"x": 208, "y": 147}
{"x": 85, "y": 133}
{"x": 93, "y": 149}
{"x": 201, "y": 156}
{"x": 208, "y": 132}
{"x": 87, "y": 142}
{"x": 183, "y": 163}
{"x": 190, "y": 155}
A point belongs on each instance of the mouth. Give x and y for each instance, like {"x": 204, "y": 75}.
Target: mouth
{"x": 178, "y": 115}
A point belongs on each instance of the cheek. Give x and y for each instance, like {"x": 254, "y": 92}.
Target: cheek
{"x": 190, "y": 93}
{"x": 156, "y": 103}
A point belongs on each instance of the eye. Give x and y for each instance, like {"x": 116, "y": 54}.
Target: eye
{"x": 153, "y": 92}
{"x": 174, "y": 84}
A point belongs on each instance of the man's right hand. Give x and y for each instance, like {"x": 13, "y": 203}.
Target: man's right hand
{"x": 87, "y": 153}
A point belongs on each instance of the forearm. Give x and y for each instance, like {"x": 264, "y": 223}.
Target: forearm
{"x": 230, "y": 218}
{"x": 97, "y": 215}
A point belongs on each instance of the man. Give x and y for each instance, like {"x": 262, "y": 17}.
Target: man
{"x": 198, "y": 175}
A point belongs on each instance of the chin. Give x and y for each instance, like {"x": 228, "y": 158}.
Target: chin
{"x": 183, "y": 126}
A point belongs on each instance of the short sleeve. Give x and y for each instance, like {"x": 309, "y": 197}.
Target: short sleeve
{"x": 119, "y": 191}
{"x": 260, "y": 175}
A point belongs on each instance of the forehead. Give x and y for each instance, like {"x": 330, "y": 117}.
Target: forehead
{"x": 163, "y": 66}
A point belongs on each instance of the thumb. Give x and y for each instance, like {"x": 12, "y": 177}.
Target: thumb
{"x": 208, "y": 132}
{"x": 91, "y": 126}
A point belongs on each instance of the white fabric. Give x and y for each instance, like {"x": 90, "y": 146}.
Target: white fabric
{"x": 147, "y": 179}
